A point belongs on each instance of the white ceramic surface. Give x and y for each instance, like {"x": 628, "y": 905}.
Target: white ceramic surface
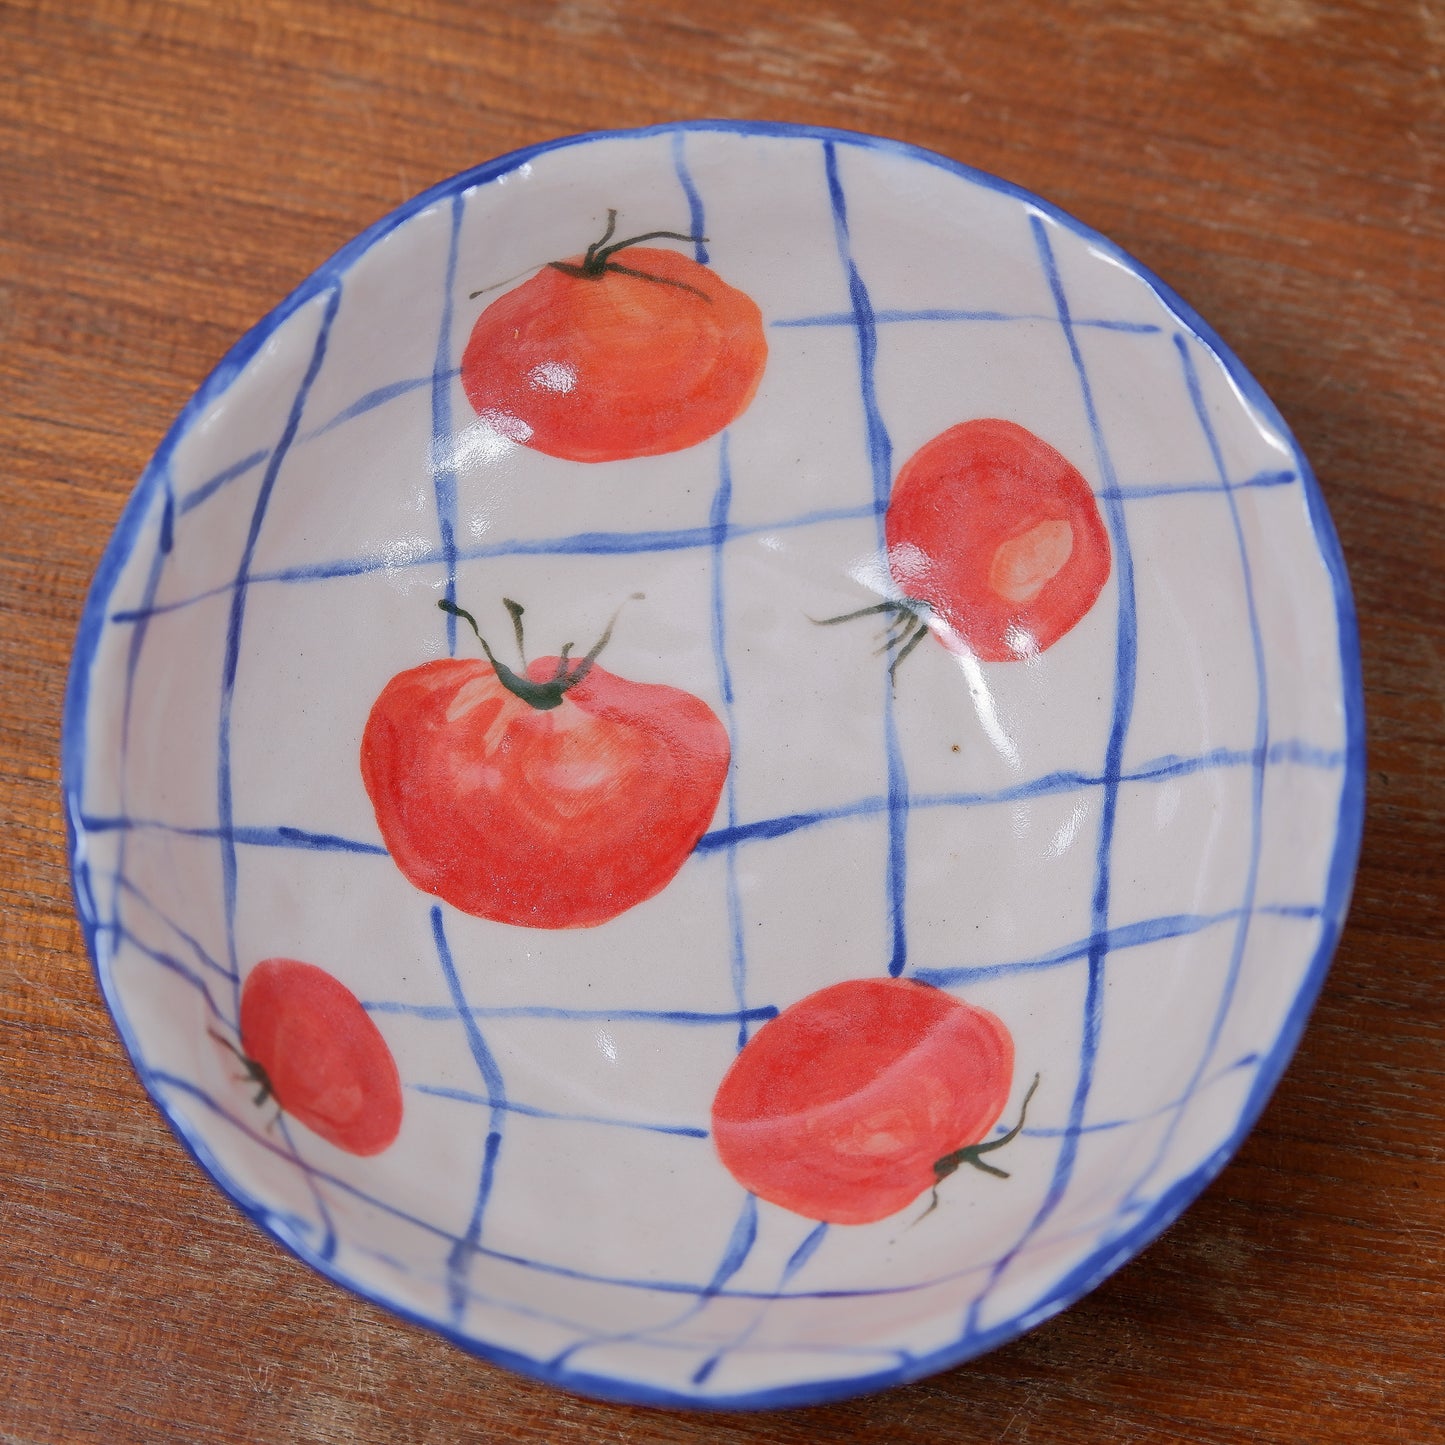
{"x": 1133, "y": 848}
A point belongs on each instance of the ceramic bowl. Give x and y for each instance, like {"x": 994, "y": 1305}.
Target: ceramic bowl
{"x": 896, "y": 923}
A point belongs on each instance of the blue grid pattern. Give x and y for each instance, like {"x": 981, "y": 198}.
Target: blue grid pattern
{"x": 1141, "y": 1214}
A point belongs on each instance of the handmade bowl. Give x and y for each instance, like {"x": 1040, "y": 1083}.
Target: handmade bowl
{"x": 903, "y": 868}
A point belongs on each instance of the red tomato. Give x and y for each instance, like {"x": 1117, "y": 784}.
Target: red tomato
{"x": 1000, "y": 536}
{"x": 556, "y": 813}
{"x": 595, "y": 359}
{"x": 309, "y": 1042}
{"x": 858, "y": 1098}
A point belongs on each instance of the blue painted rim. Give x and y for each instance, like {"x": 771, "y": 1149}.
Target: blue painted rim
{"x": 1110, "y": 1256}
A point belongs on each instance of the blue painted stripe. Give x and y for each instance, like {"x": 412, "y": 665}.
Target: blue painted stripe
{"x": 737, "y": 953}
{"x": 172, "y": 964}
{"x": 1109, "y": 1126}
{"x": 1158, "y": 770}
{"x": 805, "y": 1251}
{"x": 137, "y": 640}
{"x": 696, "y": 223}
{"x": 379, "y": 396}
{"x": 1292, "y": 752}
{"x": 880, "y": 459}
{"x": 1261, "y": 750}
{"x": 739, "y": 1245}
{"x": 202, "y": 955}
{"x": 232, "y": 657}
{"x": 165, "y": 1081}
{"x": 1111, "y": 940}
{"x": 209, "y": 488}
{"x": 947, "y": 313}
{"x": 610, "y": 544}
{"x": 681, "y": 1017}
{"x": 444, "y": 475}
{"x": 368, "y": 401}
{"x": 273, "y": 837}
{"x": 1143, "y": 492}
{"x": 1125, "y": 651}
{"x": 460, "y": 1256}
{"x": 745, "y": 1227}
{"x": 578, "y": 544}
{"x": 799, "y": 1257}
{"x": 326, "y": 1250}
{"x": 531, "y": 1111}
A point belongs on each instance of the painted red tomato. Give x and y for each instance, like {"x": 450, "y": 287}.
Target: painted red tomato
{"x": 310, "y": 1044}
{"x": 1000, "y": 536}
{"x": 860, "y": 1097}
{"x": 598, "y": 359}
{"x": 559, "y": 808}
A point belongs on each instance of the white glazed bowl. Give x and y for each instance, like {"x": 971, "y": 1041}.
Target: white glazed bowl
{"x": 1133, "y": 848}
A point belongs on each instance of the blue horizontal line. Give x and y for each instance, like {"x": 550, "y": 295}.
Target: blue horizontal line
{"x": 609, "y": 544}
{"x": 445, "y": 1013}
{"x": 650, "y": 1337}
{"x": 156, "y": 1077}
{"x": 945, "y": 313}
{"x": 210, "y": 488}
{"x": 1291, "y": 910}
{"x": 380, "y": 395}
{"x": 190, "y": 940}
{"x": 1170, "y": 766}
{"x": 280, "y": 837}
{"x": 1108, "y": 1125}
{"x": 170, "y": 963}
{"x": 577, "y": 544}
{"x": 1127, "y": 935}
{"x": 369, "y": 401}
{"x": 466, "y": 1096}
{"x": 1139, "y": 493}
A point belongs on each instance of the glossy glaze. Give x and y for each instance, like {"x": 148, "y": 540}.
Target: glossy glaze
{"x": 1130, "y": 847}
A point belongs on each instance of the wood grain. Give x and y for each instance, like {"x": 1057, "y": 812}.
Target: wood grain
{"x": 168, "y": 171}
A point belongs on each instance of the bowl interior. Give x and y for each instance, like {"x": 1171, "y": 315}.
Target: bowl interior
{"x": 1131, "y": 847}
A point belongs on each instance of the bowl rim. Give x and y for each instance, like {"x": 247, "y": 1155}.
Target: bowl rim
{"x": 1106, "y": 1258}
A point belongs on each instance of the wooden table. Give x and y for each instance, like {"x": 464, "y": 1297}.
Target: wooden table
{"x": 170, "y": 168}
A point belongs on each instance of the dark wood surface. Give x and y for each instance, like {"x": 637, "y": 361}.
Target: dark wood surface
{"x": 168, "y": 171}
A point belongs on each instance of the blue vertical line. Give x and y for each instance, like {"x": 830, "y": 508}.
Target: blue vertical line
{"x": 198, "y": 951}
{"x": 165, "y": 543}
{"x": 799, "y": 1257}
{"x": 226, "y": 819}
{"x": 719, "y": 523}
{"x": 694, "y": 200}
{"x": 444, "y": 474}
{"x": 1261, "y": 764}
{"x": 880, "y": 458}
{"x": 745, "y": 1227}
{"x": 1125, "y": 661}
{"x": 165, "y": 540}
{"x": 327, "y": 1248}
{"x": 722, "y": 500}
{"x": 460, "y": 1256}
{"x": 740, "y": 1244}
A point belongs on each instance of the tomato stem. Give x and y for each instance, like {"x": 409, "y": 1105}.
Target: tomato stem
{"x": 541, "y": 695}
{"x": 254, "y": 1071}
{"x": 973, "y": 1153}
{"x": 907, "y": 627}
{"x": 516, "y": 609}
{"x": 598, "y": 259}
